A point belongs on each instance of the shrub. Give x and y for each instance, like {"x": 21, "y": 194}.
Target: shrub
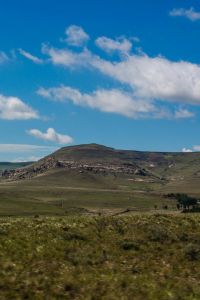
{"x": 192, "y": 252}
{"x": 129, "y": 245}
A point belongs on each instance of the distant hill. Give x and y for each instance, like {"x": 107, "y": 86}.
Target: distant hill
{"x": 12, "y": 165}
{"x": 99, "y": 159}
{"x": 98, "y": 177}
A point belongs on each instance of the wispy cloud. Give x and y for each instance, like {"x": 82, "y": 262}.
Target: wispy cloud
{"x": 183, "y": 113}
{"x": 16, "y": 148}
{"x": 3, "y": 57}
{"x": 51, "y": 135}
{"x": 24, "y": 152}
{"x": 190, "y": 13}
{"x": 27, "y": 159}
{"x": 31, "y": 57}
{"x": 13, "y": 108}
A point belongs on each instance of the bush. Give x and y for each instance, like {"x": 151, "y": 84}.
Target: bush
{"x": 192, "y": 252}
{"x": 184, "y": 200}
{"x": 129, "y": 245}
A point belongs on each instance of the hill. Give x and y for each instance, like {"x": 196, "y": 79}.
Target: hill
{"x": 98, "y": 178}
{"x": 83, "y": 158}
{"x": 94, "y": 158}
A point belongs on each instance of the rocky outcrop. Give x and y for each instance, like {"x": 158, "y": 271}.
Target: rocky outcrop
{"x": 32, "y": 170}
{"x": 51, "y": 163}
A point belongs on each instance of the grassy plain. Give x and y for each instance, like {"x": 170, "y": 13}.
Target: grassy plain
{"x": 80, "y": 257}
{"x": 59, "y": 191}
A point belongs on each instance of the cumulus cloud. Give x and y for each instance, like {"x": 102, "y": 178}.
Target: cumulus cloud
{"x": 150, "y": 80}
{"x": 66, "y": 57}
{"x": 149, "y": 77}
{"x": 113, "y": 101}
{"x": 194, "y": 148}
{"x": 190, "y": 14}
{"x": 51, "y": 135}
{"x": 13, "y": 108}
{"x": 31, "y": 57}
{"x": 156, "y": 78}
{"x": 110, "y": 101}
{"x": 76, "y": 36}
{"x": 122, "y": 45}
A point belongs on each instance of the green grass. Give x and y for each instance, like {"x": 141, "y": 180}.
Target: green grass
{"x": 79, "y": 257}
{"x": 41, "y": 196}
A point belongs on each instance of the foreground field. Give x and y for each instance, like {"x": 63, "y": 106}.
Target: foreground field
{"x": 82, "y": 257}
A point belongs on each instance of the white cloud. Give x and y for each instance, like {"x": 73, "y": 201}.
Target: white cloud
{"x": 194, "y": 148}
{"x": 186, "y": 150}
{"x": 122, "y": 45}
{"x": 110, "y": 101}
{"x": 155, "y": 78}
{"x": 114, "y": 101}
{"x": 31, "y": 57}
{"x": 190, "y": 14}
{"x": 3, "y": 57}
{"x": 183, "y": 114}
{"x": 13, "y": 108}
{"x": 28, "y": 158}
{"x": 150, "y": 78}
{"x": 67, "y": 58}
{"x": 76, "y": 36}
{"x": 51, "y": 135}
{"x": 25, "y": 148}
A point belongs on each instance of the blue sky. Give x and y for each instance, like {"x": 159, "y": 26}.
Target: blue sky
{"x": 121, "y": 73}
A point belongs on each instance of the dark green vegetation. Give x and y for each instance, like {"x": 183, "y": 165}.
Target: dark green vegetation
{"x": 185, "y": 202}
{"x": 80, "y": 257}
